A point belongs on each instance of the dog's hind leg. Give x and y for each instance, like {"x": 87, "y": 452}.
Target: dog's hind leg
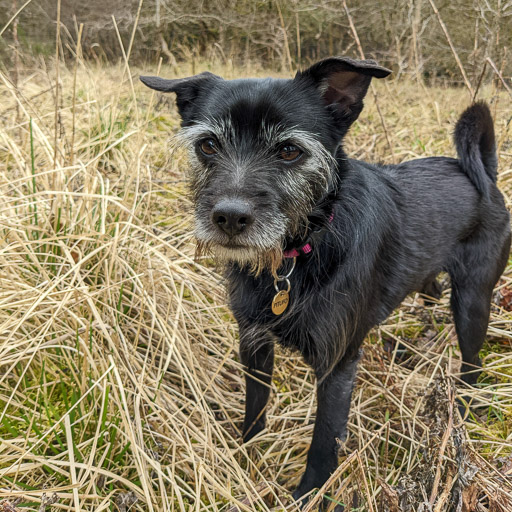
{"x": 474, "y": 276}
{"x": 432, "y": 290}
{"x": 471, "y": 306}
{"x": 257, "y": 355}
{"x": 333, "y": 396}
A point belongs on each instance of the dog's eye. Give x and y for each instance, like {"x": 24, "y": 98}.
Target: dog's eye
{"x": 208, "y": 147}
{"x": 290, "y": 153}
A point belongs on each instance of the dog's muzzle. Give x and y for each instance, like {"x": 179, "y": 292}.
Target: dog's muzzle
{"x": 232, "y": 216}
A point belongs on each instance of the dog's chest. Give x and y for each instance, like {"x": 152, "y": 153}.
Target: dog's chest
{"x": 297, "y": 326}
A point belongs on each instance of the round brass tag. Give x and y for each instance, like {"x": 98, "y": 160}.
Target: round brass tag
{"x": 280, "y": 302}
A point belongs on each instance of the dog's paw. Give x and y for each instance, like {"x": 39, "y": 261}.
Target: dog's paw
{"x": 250, "y": 431}
{"x": 325, "y": 505}
{"x": 297, "y": 496}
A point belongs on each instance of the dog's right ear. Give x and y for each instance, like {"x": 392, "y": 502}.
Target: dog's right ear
{"x": 187, "y": 89}
{"x": 343, "y": 82}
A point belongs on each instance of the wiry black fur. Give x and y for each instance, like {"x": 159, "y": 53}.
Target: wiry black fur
{"x": 394, "y": 229}
{"x": 476, "y": 148}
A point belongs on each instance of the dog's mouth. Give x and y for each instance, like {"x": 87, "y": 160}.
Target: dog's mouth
{"x": 234, "y": 246}
{"x": 236, "y": 250}
{"x": 258, "y": 246}
{"x": 247, "y": 256}
{"x": 255, "y": 239}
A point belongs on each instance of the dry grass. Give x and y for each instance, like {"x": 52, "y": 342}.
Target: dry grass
{"x": 120, "y": 387}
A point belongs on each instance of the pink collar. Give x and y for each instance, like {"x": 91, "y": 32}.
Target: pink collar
{"x": 304, "y": 249}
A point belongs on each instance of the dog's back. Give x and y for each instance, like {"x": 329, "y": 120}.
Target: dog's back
{"x": 444, "y": 207}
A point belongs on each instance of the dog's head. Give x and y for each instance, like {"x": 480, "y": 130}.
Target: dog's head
{"x": 262, "y": 151}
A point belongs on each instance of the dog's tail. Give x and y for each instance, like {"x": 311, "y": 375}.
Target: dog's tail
{"x": 476, "y": 146}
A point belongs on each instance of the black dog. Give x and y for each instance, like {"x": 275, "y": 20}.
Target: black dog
{"x": 270, "y": 179}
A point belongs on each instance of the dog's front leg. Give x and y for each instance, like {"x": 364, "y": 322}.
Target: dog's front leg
{"x": 257, "y": 355}
{"x": 334, "y": 393}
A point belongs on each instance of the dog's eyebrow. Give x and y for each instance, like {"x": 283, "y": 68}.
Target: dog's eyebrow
{"x": 189, "y": 135}
{"x": 277, "y": 133}
{"x": 222, "y": 129}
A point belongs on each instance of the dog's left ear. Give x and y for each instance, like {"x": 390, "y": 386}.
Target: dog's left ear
{"x": 343, "y": 82}
{"x": 187, "y": 89}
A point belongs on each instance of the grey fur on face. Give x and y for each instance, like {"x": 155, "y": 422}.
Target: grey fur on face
{"x": 244, "y": 163}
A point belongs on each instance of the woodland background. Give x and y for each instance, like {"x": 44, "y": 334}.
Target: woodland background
{"x": 408, "y": 35}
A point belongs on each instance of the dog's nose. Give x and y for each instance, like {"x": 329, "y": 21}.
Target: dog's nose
{"x": 232, "y": 216}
